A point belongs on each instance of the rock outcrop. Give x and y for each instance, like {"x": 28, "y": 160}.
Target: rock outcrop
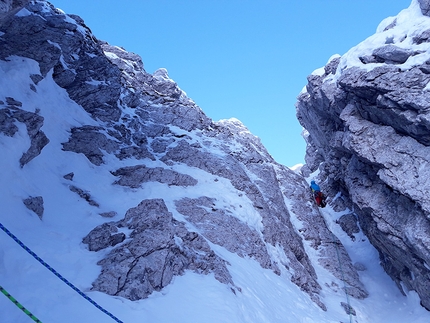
{"x": 35, "y": 204}
{"x": 11, "y": 113}
{"x": 157, "y": 249}
{"x": 368, "y": 122}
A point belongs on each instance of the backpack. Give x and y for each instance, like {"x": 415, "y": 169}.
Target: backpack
{"x": 320, "y": 199}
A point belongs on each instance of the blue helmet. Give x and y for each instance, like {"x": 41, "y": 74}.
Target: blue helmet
{"x": 312, "y": 182}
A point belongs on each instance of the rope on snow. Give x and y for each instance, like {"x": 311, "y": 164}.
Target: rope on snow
{"x": 22, "y": 308}
{"x": 344, "y": 282}
{"x": 58, "y": 275}
{"x": 336, "y": 244}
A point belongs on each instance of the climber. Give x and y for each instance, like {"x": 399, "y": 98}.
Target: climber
{"x": 318, "y": 195}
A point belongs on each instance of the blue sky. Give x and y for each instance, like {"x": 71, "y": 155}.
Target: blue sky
{"x": 247, "y": 59}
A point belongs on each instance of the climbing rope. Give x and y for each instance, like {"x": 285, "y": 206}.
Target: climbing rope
{"x": 343, "y": 279}
{"x": 57, "y": 274}
{"x": 22, "y": 308}
{"x": 333, "y": 237}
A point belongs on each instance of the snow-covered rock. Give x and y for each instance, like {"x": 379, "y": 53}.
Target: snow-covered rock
{"x": 368, "y": 121}
{"x": 117, "y": 178}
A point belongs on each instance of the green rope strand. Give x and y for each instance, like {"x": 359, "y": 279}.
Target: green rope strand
{"x": 22, "y": 308}
{"x": 2, "y": 227}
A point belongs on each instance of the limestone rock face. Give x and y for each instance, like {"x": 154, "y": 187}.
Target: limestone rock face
{"x": 35, "y": 204}
{"x": 425, "y": 7}
{"x": 158, "y": 248}
{"x": 369, "y": 121}
{"x": 9, "y": 5}
{"x": 36, "y": 35}
{"x": 12, "y": 113}
{"x": 134, "y": 176}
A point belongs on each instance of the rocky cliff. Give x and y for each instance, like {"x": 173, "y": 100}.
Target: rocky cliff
{"x": 367, "y": 116}
{"x": 155, "y": 189}
{"x": 191, "y": 185}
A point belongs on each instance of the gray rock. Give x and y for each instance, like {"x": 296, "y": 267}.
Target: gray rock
{"x": 69, "y": 176}
{"x": 348, "y": 223}
{"x": 95, "y": 87}
{"x": 36, "y": 78}
{"x": 158, "y": 248}
{"x": 230, "y": 233}
{"x": 38, "y": 141}
{"x": 392, "y": 54}
{"x": 109, "y": 214}
{"x": 84, "y": 194}
{"x": 37, "y": 137}
{"x": 91, "y": 142}
{"x": 390, "y": 97}
{"x": 160, "y": 145}
{"x": 134, "y": 152}
{"x": 348, "y": 309}
{"x": 425, "y": 7}
{"x": 134, "y": 176}
{"x": 103, "y": 236}
{"x": 33, "y": 122}
{"x": 7, "y": 125}
{"x": 35, "y": 204}
{"x": 422, "y": 37}
{"x": 12, "y": 102}
{"x": 11, "y": 5}
{"x": 368, "y": 59}
{"x": 359, "y": 266}
{"x": 390, "y": 26}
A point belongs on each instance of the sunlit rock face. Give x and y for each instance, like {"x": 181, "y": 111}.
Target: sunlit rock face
{"x": 368, "y": 118}
{"x": 197, "y": 189}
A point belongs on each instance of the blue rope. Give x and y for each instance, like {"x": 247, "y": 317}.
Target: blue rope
{"x": 57, "y": 274}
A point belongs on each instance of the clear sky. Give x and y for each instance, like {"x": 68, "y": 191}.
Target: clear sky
{"x": 247, "y": 59}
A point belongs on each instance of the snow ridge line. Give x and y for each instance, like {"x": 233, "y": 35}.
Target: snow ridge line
{"x": 58, "y": 275}
{"x": 18, "y": 304}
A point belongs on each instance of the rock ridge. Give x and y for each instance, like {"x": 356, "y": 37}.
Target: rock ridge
{"x": 367, "y": 123}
